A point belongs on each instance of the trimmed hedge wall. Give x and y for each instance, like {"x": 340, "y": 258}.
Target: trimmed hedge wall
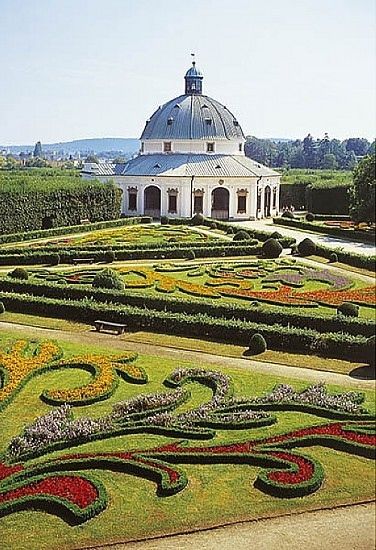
{"x": 335, "y": 231}
{"x": 281, "y": 316}
{"x": 338, "y": 345}
{"x": 326, "y": 199}
{"x": 67, "y": 229}
{"x": 29, "y": 208}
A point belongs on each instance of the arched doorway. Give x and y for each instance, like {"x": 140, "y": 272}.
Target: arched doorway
{"x": 220, "y": 204}
{"x": 267, "y": 201}
{"x": 152, "y": 201}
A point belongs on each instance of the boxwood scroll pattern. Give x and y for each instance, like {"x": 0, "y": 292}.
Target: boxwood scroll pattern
{"x": 77, "y": 498}
{"x": 25, "y": 359}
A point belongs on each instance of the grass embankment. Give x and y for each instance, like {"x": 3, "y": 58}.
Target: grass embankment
{"x": 216, "y": 494}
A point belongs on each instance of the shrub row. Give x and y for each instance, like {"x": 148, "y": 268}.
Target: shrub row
{"x": 222, "y": 250}
{"x": 349, "y": 258}
{"x": 67, "y": 229}
{"x": 334, "y": 217}
{"x": 339, "y": 345}
{"x": 281, "y": 316}
{"x": 262, "y": 236}
{"x": 335, "y": 231}
{"x": 88, "y": 248}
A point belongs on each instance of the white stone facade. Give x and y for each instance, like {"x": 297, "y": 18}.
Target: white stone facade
{"x": 192, "y": 160}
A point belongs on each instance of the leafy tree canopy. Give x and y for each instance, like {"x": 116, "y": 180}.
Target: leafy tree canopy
{"x": 362, "y": 193}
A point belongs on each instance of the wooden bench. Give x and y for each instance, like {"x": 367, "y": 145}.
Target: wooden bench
{"x": 116, "y": 327}
{"x": 77, "y": 261}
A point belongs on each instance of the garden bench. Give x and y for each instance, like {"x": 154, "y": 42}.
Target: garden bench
{"x": 77, "y": 261}
{"x": 117, "y": 327}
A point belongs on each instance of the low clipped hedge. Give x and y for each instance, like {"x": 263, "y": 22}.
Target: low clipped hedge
{"x": 317, "y": 228}
{"x": 280, "y": 315}
{"x": 349, "y": 258}
{"x": 218, "y": 250}
{"x": 236, "y": 331}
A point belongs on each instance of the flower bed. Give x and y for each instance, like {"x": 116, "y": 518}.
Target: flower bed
{"x": 21, "y": 363}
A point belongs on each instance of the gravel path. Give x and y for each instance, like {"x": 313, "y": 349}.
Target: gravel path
{"x": 112, "y": 341}
{"x": 299, "y": 235}
{"x": 344, "y": 528}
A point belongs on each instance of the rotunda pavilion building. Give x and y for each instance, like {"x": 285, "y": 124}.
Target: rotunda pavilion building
{"x": 192, "y": 160}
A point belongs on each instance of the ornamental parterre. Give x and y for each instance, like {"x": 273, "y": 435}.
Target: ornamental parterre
{"x": 26, "y": 359}
{"x": 278, "y": 282}
{"x": 285, "y": 472}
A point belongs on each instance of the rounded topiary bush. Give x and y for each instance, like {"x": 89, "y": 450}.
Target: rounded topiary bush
{"x": 257, "y": 344}
{"x": 230, "y": 231}
{"x": 288, "y": 214}
{"x": 108, "y": 278}
{"x": 55, "y": 259}
{"x": 306, "y": 247}
{"x": 191, "y": 255}
{"x": 271, "y": 248}
{"x": 333, "y": 258}
{"x": 276, "y": 235}
{"x": 198, "y": 219}
{"x": 241, "y": 236}
{"x": 348, "y": 309}
{"x": 164, "y": 220}
{"x": 2, "y": 308}
{"x": 109, "y": 256}
{"x": 19, "y": 273}
{"x": 310, "y": 217}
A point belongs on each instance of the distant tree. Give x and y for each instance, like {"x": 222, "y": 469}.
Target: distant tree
{"x": 329, "y": 162}
{"x": 362, "y": 193}
{"x": 119, "y": 160}
{"x": 92, "y": 158}
{"x": 309, "y": 151}
{"x": 38, "y": 150}
{"x": 372, "y": 148}
{"x": 11, "y": 163}
{"x": 37, "y": 162}
{"x": 360, "y": 146}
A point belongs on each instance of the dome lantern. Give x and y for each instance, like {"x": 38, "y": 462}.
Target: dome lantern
{"x": 193, "y": 80}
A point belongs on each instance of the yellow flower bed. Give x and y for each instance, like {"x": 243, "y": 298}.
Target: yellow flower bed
{"x": 103, "y": 382}
{"x": 18, "y": 365}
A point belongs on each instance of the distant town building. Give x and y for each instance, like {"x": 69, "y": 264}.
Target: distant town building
{"x": 192, "y": 160}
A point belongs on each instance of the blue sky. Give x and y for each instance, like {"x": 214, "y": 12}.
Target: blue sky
{"x": 74, "y": 69}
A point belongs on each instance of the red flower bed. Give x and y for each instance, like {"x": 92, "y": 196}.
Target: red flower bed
{"x": 77, "y": 490}
{"x": 6, "y": 471}
{"x": 304, "y": 473}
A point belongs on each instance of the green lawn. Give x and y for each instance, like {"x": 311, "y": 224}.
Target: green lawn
{"x": 216, "y": 494}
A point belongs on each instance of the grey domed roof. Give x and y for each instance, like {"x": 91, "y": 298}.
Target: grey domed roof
{"x": 193, "y": 71}
{"x": 192, "y": 117}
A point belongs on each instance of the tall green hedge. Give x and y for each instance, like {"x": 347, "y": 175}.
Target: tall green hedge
{"x": 33, "y": 200}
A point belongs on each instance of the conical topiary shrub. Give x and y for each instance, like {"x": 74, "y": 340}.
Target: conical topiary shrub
{"x": 257, "y": 344}
{"x": 271, "y": 248}
{"x": 306, "y": 247}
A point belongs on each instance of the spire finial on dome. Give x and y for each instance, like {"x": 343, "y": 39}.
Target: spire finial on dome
{"x": 193, "y": 79}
